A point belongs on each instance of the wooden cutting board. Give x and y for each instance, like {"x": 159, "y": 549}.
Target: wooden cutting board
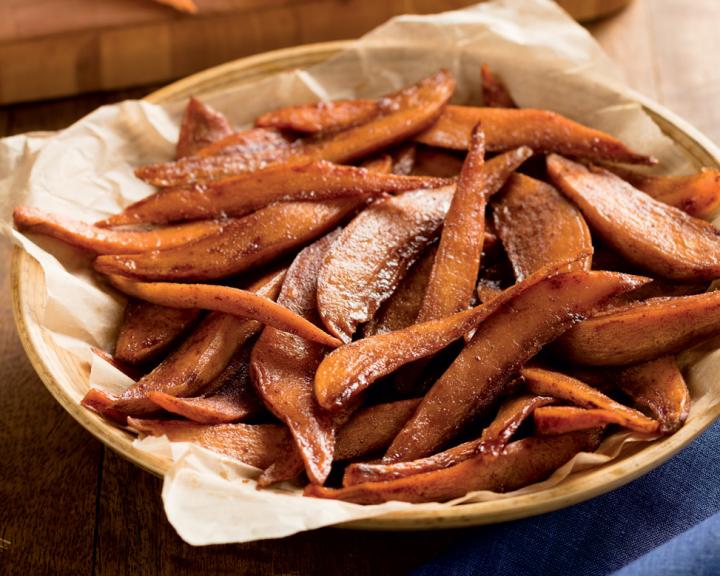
{"x": 51, "y": 48}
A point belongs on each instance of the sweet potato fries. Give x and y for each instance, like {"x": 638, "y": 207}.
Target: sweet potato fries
{"x": 286, "y": 278}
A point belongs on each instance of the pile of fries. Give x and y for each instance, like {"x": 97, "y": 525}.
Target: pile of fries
{"x": 403, "y": 299}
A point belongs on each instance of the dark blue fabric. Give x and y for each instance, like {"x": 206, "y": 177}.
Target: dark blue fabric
{"x": 608, "y": 533}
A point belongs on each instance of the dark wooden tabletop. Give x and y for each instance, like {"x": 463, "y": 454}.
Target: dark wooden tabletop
{"x": 70, "y": 506}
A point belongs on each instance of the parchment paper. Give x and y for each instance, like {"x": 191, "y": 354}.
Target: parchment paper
{"x": 85, "y": 172}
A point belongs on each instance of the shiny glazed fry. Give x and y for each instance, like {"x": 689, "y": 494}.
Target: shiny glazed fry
{"x": 229, "y": 398}
{"x": 507, "y": 339}
{"x": 257, "y": 445}
{"x": 519, "y": 464}
{"x": 537, "y": 226}
{"x": 148, "y": 330}
{"x": 350, "y": 369}
{"x": 642, "y": 331}
{"x": 225, "y": 299}
{"x": 649, "y": 233}
{"x": 194, "y": 366}
{"x": 200, "y": 126}
{"x": 562, "y": 387}
{"x": 239, "y": 195}
{"x": 495, "y": 93}
{"x": 554, "y": 420}
{"x": 283, "y": 365}
{"x": 101, "y": 241}
{"x": 320, "y": 116}
{"x": 259, "y": 145}
{"x": 541, "y": 130}
{"x": 372, "y": 254}
{"x": 251, "y": 241}
{"x": 658, "y": 388}
{"x": 493, "y": 439}
{"x": 697, "y": 194}
{"x": 401, "y": 309}
{"x": 455, "y": 271}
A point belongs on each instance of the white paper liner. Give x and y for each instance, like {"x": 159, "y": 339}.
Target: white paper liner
{"x": 86, "y": 171}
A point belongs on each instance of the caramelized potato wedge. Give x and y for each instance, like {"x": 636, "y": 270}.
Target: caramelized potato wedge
{"x": 229, "y": 398}
{"x": 538, "y": 226}
{"x": 521, "y": 463}
{"x": 436, "y": 162}
{"x": 320, "y": 116}
{"x": 200, "y": 126}
{"x": 372, "y": 254}
{"x": 242, "y": 303}
{"x": 193, "y": 367}
{"x": 555, "y": 420}
{"x": 493, "y": 439}
{"x": 502, "y": 343}
{"x": 148, "y": 330}
{"x": 382, "y": 164}
{"x": 101, "y": 241}
{"x": 251, "y": 241}
{"x": 402, "y": 308}
{"x": 658, "y": 388}
{"x": 495, "y": 93}
{"x": 655, "y": 236}
{"x": 240, "y": 195}
{"x": 283, "y": 365}
{"x": 541, "y": 130}
{"x": 697, "y": 194}
{"x": 562, "y": 387}
{"x": 457, "y": 263}
{"x": 258, "y": 145}
{"x": 642, "y": 331}
{"x": 256, "y": 445}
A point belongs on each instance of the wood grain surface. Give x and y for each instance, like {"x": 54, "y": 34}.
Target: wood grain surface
{"x": 67, "y": 506}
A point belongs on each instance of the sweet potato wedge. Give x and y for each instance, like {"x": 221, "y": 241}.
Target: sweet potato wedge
{"x": 320, "y": 116}
{"x": 257, "y": 445}
{"x": 404, "y": 159}
{"x": 541, "y": 130}
{"x": 194, "y": 366}
{"x": 406, "y": 113}
{"x": 538, "y": 226}
{"x": 655, "y": 236}
{"x": 372, "y": 254}
{"x": 382, "y": 164}
{"x": 508, "y": 338}
{"x": 457, "y": 263}
{"x": 555, "y": 420}
{"x": 259, "y": 145}
{"x": 231, "y": 397}
{"x": 697, "y": 194}
{"x": 148, "y": 330}
{"x": 245, "y": 243}
{"x": 235, "y": 301}
{"x": 201, "y": 125}
{"x": 401, "y": 309}
{"x": 240, "y": 195}
{"x": 562, "y": 387}
{"x": 101, "y": 241}
{"x": 642, "y": 331}
{"x": 282, "y": 366}
{"x": 436, "y": 162}
{"x": 350, "y": 369}
{"x": 659, "y": 389}
{"x": 521, "y": 463}
{"x": 493, "y": 439}
{"x": 495, "y": 93}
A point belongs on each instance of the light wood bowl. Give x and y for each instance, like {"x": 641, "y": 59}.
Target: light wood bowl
{"x": 66, "y": 377}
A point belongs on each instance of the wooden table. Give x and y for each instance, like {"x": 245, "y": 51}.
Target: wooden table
{"x": 69, "y": 506}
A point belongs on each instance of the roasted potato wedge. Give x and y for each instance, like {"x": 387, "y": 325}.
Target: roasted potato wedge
{"x": 538, "y": 226}
{"x": 200, "y": 126}
{"x": 655, "y": 236}
{"x": 372, "y": 254}
{"x": 251, "y": 241}
{"x": 320, "y": 116}
{"x": 554, "y": 420}
{"x": 494, "y": 92}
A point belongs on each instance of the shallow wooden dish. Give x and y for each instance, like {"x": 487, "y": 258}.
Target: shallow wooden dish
{"x": 65, "y": 376}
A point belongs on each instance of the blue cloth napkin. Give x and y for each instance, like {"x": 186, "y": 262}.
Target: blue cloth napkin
{"x": 665, "y": 523}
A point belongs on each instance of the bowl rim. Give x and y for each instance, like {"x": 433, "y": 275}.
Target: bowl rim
{"x": 576, "y": 488}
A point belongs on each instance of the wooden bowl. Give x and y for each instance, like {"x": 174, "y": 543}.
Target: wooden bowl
{"x": 66, "y": 377}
